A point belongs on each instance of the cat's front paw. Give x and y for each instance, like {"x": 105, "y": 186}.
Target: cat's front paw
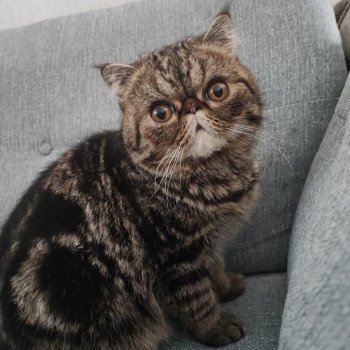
{"x": 227, "y": 330}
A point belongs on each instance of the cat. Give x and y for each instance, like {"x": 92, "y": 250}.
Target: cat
{"x": 119, "y": 237}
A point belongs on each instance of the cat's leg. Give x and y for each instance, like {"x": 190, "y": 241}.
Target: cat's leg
{"x": 63, "y": 296}
{"x": 227, "y": 285}
{"x": 191, "y": 299}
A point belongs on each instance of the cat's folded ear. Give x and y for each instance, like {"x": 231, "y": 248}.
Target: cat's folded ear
{"x": 220, "y": 32}
{"x": 116, "y": 75}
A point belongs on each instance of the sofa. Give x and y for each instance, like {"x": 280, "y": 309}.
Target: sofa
{"x": 295, "y": 247}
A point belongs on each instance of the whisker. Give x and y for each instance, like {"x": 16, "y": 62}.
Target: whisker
{"x": 243, "y": 130}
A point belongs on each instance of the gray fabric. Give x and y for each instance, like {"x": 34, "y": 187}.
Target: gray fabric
{"x": 50, "y": 94}
{"x": 16, "y": 13}
{"x": 317, "y": 312}
{"x": 260, "y": 308}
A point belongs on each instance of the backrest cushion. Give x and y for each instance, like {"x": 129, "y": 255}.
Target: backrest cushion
{"x": 51, "y": 96}
{"x": 317, "y": 313}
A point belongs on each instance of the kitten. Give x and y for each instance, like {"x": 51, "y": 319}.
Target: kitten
{"x": 120, "y": 233}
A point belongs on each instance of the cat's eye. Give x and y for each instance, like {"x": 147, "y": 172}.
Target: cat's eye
{"x": 217, "y": 91}
{"x": 161, "y": 113}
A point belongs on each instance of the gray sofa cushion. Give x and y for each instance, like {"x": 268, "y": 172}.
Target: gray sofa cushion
{"x": 260, "y": 308}
{"x": 317, "y": 313}
{"x": 51, "y": 97}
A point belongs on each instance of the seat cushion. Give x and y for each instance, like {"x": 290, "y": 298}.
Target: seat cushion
{"x": 260, "y": 308}
{"x": 51, "y": 96}
{"x": 317, "y": 313}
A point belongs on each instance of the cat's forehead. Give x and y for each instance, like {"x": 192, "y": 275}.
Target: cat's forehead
{"x": 177, "y": 71}
{"x": 173, "y": 68}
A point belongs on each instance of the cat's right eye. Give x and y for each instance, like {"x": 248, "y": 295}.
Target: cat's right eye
{"x": 161, "y": 113}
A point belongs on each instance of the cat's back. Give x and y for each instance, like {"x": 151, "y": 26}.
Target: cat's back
{"x": 54, "y": 200}
{"x": 61, "y": 248}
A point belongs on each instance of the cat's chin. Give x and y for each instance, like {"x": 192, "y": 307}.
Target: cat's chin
{"x": 205, "y": 144}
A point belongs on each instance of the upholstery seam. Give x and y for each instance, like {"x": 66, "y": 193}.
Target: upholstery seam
{"x": 341, "y": 115}
{"x": 303, "y": 102}
{"x": 271, "y": 238}
{"x": 266, "y": 272}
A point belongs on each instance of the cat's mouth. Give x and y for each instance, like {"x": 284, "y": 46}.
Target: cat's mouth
{"x": 204, "y": 142}
{"x": 200, "y": 123}
{"x": 199, "y": 127}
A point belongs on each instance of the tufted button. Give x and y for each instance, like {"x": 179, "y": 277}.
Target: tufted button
{"x": 45, "y": 148}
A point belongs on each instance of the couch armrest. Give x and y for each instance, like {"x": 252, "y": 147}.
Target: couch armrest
{"x": 317, "y": 309}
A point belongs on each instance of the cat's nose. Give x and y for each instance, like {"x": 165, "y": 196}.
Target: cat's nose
{"x": 191, "y": 105}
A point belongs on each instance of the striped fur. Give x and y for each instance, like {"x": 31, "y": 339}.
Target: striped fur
{"x": 119, "y": 235}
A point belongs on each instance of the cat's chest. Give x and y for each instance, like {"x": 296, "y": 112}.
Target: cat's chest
{"x": 206, "y": 197}
{"x": 183, "y": 238}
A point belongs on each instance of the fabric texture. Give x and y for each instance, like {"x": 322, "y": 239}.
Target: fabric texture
{"x": 260, "y": 308}
{"x": 317, "y": 312}
{"x": 17, "y": 13}
{"x": 51, "y": 96}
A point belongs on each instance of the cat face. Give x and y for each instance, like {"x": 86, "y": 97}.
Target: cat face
{"x": 190, "y": 99}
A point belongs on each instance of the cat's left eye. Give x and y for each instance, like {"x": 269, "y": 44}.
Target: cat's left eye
{"x": 217, "y": 91}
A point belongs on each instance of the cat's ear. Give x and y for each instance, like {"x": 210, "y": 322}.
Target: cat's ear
{"x": 220, "y": 32}
{"x": 116, "y": 75}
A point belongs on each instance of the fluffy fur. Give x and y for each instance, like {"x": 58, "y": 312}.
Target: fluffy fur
{"x": 120, "y": 233}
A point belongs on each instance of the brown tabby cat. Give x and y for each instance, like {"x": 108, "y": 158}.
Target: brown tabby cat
{"x": 121, "y": 231}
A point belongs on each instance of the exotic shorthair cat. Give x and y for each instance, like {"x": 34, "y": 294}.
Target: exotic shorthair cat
{"x": 118, "y": 238}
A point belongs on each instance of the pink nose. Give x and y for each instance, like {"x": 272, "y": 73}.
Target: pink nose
{"x": 191, "y": 105}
